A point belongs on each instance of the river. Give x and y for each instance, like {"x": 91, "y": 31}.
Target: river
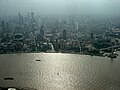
{"x": 57, "y": 71}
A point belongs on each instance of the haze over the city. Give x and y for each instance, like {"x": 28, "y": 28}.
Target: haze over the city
{"x": 60, "y": 7}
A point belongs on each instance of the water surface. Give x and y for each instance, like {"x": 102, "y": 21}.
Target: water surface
{"x": 56, "y": 71}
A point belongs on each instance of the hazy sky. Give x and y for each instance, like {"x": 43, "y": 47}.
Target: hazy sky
{"x": 45, "y": 7}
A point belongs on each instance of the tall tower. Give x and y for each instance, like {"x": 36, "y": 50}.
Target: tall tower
{"x": 19, "y": 18}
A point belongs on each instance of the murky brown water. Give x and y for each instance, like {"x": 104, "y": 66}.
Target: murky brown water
{"x": 56, "y": 71}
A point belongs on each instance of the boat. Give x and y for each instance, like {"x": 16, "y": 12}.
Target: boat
{"x": 8, "y": 78}
{"x": 113, "y": 54}
{"x": 38, "y": 60}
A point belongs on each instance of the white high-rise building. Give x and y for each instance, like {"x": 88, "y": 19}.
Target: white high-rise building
{"x": 76, "y": 25}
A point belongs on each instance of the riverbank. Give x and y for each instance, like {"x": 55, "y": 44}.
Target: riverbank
{"x": 80, "y": 53}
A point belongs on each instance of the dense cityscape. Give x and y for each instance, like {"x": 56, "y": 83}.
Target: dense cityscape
{"x": 93, "y": 35}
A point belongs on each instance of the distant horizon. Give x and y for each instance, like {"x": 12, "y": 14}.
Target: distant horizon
{"x": 61, "y": 7}
{"x": 40, "y": 14}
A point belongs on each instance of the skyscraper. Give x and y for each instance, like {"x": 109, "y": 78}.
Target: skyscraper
{"x": 32, "y": 14}
{"x": 32, "y": 17}
{"x": 42, "y": 31}
{"x": 64, "y": 34}
{"x": 92, "y": 36}
{"x": 3, "y": 26}
{"x": 76, "y": 25}
{"x": 7, "y": 26}
{"x": 20, "y": 18}
{"x": 28, "y": 17}
{"x": 33, "y": 24}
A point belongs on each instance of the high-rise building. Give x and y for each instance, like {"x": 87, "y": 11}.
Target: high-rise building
{"x": 32, "y": 14}
{"x": 7, "y": 26}
{"x": 33, "y": 24}
{"x": 64, "y": 34}
{"x": 42, "y": 31}
{"x": 92, "y": 36}
{"x": 76, "y": 25}
{"x": 28, "y": 17}
{"x": 20, "y": 18}
{"x": 32, "y": 17}
{"x": 3, "y": 26}
{"x": 18, "y": 29}
{"x": 62, "y": 44}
